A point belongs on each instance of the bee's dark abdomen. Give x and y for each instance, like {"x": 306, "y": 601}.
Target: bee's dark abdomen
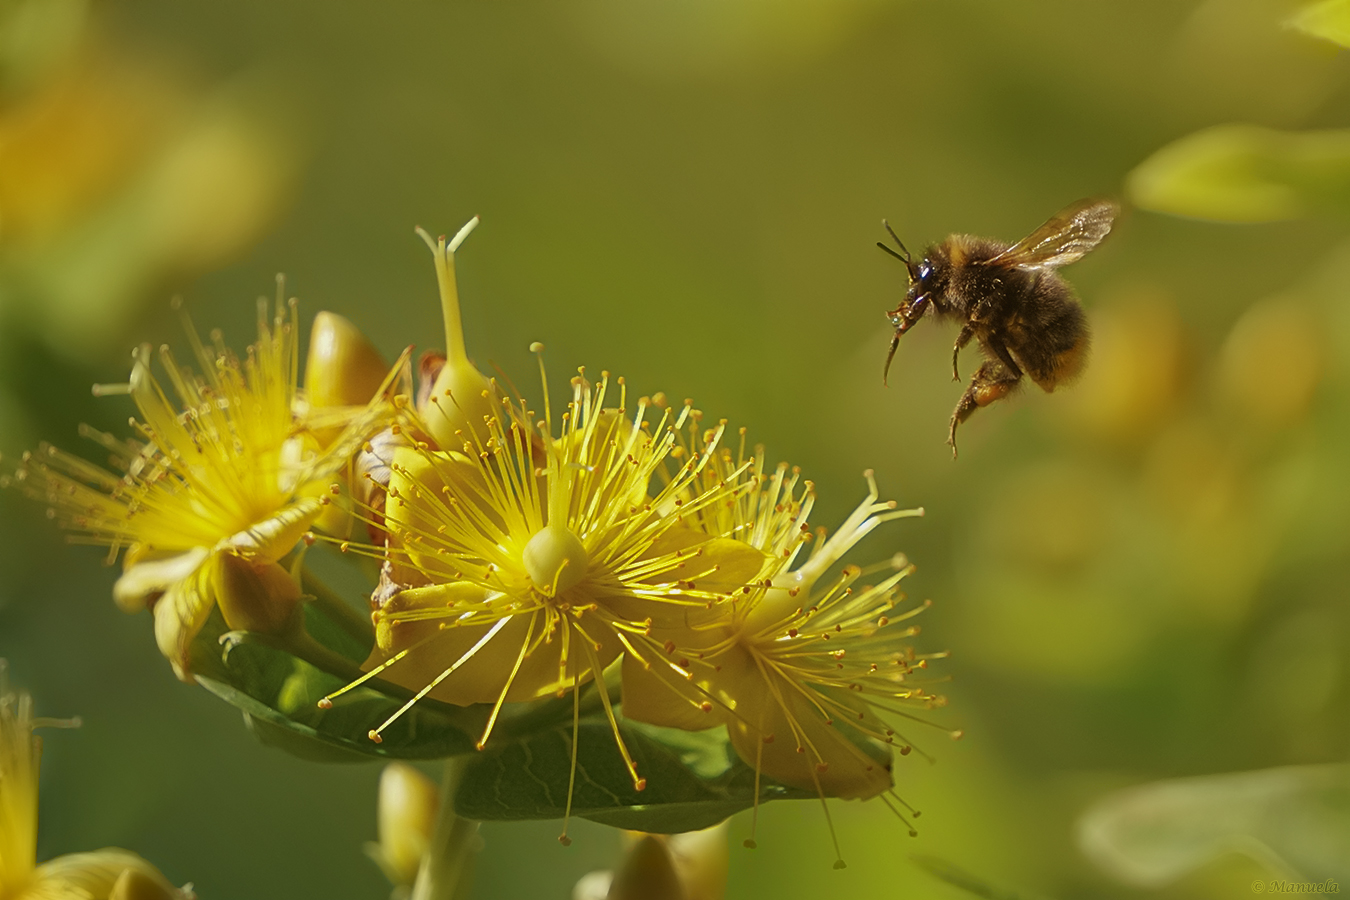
{"x": 1049, "y": 332}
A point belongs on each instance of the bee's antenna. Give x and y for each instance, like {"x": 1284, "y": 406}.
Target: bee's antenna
{"x": 892, "y": 253}
{"x": 895, "y": 237}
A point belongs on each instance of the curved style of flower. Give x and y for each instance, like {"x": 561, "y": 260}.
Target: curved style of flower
{"x": 226, "y": 478}
{"x": 109, "y": 874}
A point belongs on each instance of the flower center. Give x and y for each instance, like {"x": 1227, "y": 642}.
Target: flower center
{"x": 554, "y": 559}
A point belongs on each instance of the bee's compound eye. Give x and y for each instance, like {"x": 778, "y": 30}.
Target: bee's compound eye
{"x": 925, "y": 270}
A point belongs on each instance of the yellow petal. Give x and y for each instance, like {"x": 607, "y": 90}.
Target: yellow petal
{"x": 782, "y": 728}
{"x": 133, "y": 884}
{"x": 416, "y": 504}
{"x": 92, "y": 876}
{"x": 143, "y": 580}
{"x": 179, "y": 615}
{"x": 659, "y": 695}
{"x": 418, "y": 619}
{"x": 273, "y": 538}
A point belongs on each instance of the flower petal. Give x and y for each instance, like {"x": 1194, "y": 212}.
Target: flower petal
{"x": 142, "y": 580}
{"x": 91, "y": 876}
{"x": 179, "y": 615}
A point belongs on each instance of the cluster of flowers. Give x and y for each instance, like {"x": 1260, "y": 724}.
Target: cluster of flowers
{"x": 522, "y": 554}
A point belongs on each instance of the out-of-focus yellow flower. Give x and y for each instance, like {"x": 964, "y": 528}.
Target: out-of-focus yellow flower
{"x": 523, "y": 557}
{"x": 689, "y": 866}
{"x": 408, "y": 803}
{"x": 230, "y": 466}
{"x": 117, "y": 173}
{"x": 109, "y": 874}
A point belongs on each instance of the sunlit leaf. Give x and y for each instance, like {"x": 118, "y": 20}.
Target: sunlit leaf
{"x": 1243, "y": 173}
{"x": 1295, "y": 819}
{"x": 279, "y": 693}
{"x": 1329, "y": 20}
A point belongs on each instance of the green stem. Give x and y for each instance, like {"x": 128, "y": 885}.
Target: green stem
{"x": 327, "y": 601}
{"x": 447, "y": 867}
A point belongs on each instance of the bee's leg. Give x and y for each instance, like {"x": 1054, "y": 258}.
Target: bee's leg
{"x": 995, "y": 343}
{"x": 967, "y": 331}
{"x": 993, "y": 381}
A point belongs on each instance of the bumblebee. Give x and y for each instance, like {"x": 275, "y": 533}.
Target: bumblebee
{"x": 1010, "y": 299}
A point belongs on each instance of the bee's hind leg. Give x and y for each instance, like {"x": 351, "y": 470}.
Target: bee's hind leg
{"x": 967, "y": 332}
{"x": 993, "y": 381}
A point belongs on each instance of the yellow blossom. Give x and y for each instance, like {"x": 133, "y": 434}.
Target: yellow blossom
{"x": 525, "y": 551}
{"x": 805, "y": 671}
{"x": 227, "y": 464}
{"x": 76, "y": 876}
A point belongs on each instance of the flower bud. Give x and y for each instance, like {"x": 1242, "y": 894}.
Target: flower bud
{"x": 690, "y": 866}
{"x": 260, "y": 597}
{"x": 407, "y": 813}
{"x": 343, "y": 367}
{"x": 648, "y": 873}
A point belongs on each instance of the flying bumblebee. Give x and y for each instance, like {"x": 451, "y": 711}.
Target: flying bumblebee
{"x": 1010, "y": 298}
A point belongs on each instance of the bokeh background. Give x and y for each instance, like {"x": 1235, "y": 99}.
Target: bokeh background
{"x": 1139, "y": 578}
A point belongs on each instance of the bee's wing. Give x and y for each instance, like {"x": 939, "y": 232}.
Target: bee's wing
{"x": 1066, "y": 237}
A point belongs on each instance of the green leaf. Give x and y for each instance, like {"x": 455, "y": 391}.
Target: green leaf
{"x": 1242, "y": 173}
{"x": 280, "y": 692}
{"x": 1295, "y": 820}
{"x": 693, "y": 779}
{"x": 686, "y": 789}
{"x": 1329, "y": 20}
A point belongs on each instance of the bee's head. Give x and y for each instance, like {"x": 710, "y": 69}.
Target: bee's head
{"x": 915, "y": 304}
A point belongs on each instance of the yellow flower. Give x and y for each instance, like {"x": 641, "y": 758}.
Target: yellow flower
{"x": 803, "y": 670}
{"x": 228, "y": 464}
{"x": 408, "y": 804}
{"x": 688, "y": 866}
{"x": 102, "y": 875}
{"x": 524, "y": 552}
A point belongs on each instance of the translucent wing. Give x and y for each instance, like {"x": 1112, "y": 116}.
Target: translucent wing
{"x": 1066, "y": 237}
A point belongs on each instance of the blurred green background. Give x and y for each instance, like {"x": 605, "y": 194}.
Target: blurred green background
{"x": 1141, "y": 577}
